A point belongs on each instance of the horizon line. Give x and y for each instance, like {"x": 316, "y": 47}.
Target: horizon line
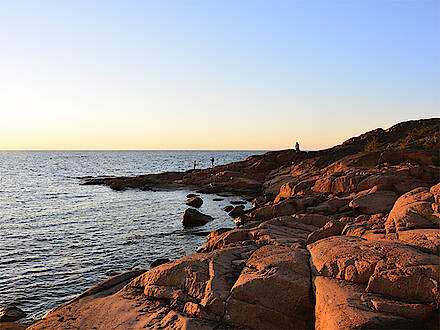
{"x": 25, "y": 150}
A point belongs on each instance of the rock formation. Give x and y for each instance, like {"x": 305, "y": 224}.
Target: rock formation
{"x": 193, "y": 218}
{"x": 194, "y": 201}
{"x": 343, "y": 238}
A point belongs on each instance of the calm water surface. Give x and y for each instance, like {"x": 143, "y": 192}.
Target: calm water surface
{"x": 58, "y": 238}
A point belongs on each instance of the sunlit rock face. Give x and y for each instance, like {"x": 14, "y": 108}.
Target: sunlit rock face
{"x": 345, "y": 238}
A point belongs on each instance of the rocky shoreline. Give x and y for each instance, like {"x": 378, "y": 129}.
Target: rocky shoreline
{"x": 341, "y": 238}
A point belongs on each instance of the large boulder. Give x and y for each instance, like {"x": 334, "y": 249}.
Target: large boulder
{"x": 193, "y": 218}
{"x": 376, "y": 202}
{"x": 285, "y": 207}
{"x": 273, "y": 290}
{"x": 413, "y": 210}
{"x": 382, "y": 181}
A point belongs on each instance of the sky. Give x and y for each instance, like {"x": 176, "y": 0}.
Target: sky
{"x": 230, "y": 74}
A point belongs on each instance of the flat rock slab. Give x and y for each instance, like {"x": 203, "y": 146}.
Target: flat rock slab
{"x": 425, "y": 239}
{"x": 345, "y": 305}
{"x": 387, "y": 267}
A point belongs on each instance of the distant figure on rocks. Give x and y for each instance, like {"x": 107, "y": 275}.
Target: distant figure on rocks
{"x": 195, "y": 164}
{"x": 212, "y": 161}
{"x": 297, "y": 147}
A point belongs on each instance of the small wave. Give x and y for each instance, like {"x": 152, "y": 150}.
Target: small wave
{"x": 35, "y": 271}
{"x": 129, "y": 243}
{"x": 8, "y": 262}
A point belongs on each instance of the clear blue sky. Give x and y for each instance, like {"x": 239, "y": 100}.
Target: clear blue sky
{"x": 213, "y": 74}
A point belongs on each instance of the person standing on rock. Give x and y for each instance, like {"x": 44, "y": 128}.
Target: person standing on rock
{"x": 297, "y": 147}
{"x": 212, "y": 161}
{"x": 195, "y": 164}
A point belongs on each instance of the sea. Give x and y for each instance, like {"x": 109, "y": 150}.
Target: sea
{"x": 58, "y": 238}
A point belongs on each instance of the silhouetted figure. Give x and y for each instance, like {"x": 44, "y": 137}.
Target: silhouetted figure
{"x": 212, "y": 161}
{"x": 297, "y": 147}
{"x": 195, "y": 164}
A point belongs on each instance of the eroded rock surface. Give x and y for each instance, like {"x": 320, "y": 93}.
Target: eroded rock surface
{"x": 344, "y": 238}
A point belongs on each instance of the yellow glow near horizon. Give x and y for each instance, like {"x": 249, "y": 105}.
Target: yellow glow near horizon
{"x": 154, "y": 75}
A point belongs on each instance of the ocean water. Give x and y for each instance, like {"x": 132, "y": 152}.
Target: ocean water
{"x": 57, "y": 237}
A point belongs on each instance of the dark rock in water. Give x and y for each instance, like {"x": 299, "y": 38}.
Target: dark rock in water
{"x": 228, "y": 208}
{"x": 238, "y": 202}
{"x": 159, "y": 262}
{"x": 11, "y": 314}
{"x": 218, "y": 199}
{"x": 237, "y": 211}
{"x": 191, "y": 195}
{"x": 192, "y": 218}
{"x": 194, "y": 201}
{"x": 117, "y": 185}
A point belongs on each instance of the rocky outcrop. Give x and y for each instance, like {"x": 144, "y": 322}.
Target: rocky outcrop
{"x": 272, "y": 291}
{"x": 346, "y": 168}
{"x": 414, "y": 210}
{"x": 384, "y": 266}
{"x": 264, "y": 283}
{"x": 344, "y": 238}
